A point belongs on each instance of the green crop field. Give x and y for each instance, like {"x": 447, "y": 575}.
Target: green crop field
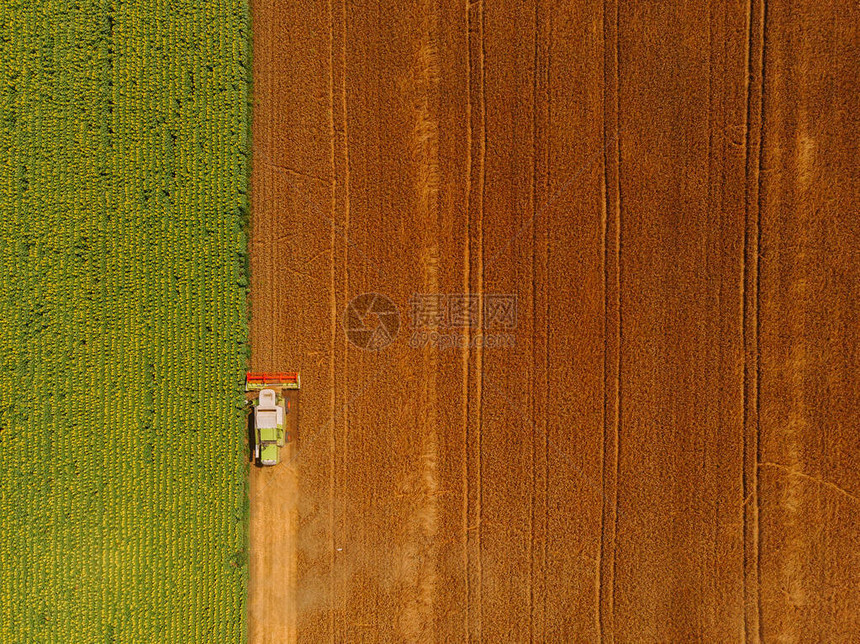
{"x": 123, "y": 330}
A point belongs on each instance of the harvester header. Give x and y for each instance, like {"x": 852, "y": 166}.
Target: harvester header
{"x": 256, "y": 381}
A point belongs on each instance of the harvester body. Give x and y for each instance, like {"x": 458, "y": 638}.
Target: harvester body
{"x": 272, "y": 394}
{"x": 269, "y": 426}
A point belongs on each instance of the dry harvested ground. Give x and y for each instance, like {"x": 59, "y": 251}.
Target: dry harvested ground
{"x": 670, "y": 452}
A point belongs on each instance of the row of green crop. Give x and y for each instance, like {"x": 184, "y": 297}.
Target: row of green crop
{"x": 123, "y": 336}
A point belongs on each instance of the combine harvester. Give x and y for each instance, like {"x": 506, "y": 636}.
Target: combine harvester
{"x": 272, "y": 399}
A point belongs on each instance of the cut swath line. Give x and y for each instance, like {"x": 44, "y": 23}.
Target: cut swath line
{"x": 813, "y": 479}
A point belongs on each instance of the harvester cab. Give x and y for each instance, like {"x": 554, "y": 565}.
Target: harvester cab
{"x": 273, "y": 397}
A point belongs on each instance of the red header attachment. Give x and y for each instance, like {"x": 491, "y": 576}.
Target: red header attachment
{"x": 271, "y": 379}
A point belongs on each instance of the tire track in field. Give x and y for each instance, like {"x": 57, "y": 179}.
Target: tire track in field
{"x": 477, "y": 139}
{"x": 421, "y": 553}
{"x": 611, "y": 242}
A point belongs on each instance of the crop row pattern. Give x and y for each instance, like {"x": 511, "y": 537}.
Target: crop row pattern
{"x": 123, "y": 320}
